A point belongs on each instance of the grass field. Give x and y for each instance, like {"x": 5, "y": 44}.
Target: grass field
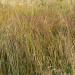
{"x": 38, "y": 39}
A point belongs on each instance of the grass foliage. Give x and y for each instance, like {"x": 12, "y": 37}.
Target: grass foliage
{"x": 37, "y": 41}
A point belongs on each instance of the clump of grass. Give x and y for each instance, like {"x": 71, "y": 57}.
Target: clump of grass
{"x": 37, "y": 42}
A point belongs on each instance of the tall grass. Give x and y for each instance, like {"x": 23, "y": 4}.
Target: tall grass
{"x": 37, "y": 41}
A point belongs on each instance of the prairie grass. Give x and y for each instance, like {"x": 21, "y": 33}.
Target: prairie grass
{"x": 37, "y": 41}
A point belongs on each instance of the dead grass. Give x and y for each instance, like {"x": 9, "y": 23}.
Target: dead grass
{"x": 37, "y": 42}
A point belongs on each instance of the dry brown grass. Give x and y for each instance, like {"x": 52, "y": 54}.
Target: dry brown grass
{"x": 39, "y": 41}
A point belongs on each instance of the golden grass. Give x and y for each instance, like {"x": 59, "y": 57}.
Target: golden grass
{"x": 39, "y": 41}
